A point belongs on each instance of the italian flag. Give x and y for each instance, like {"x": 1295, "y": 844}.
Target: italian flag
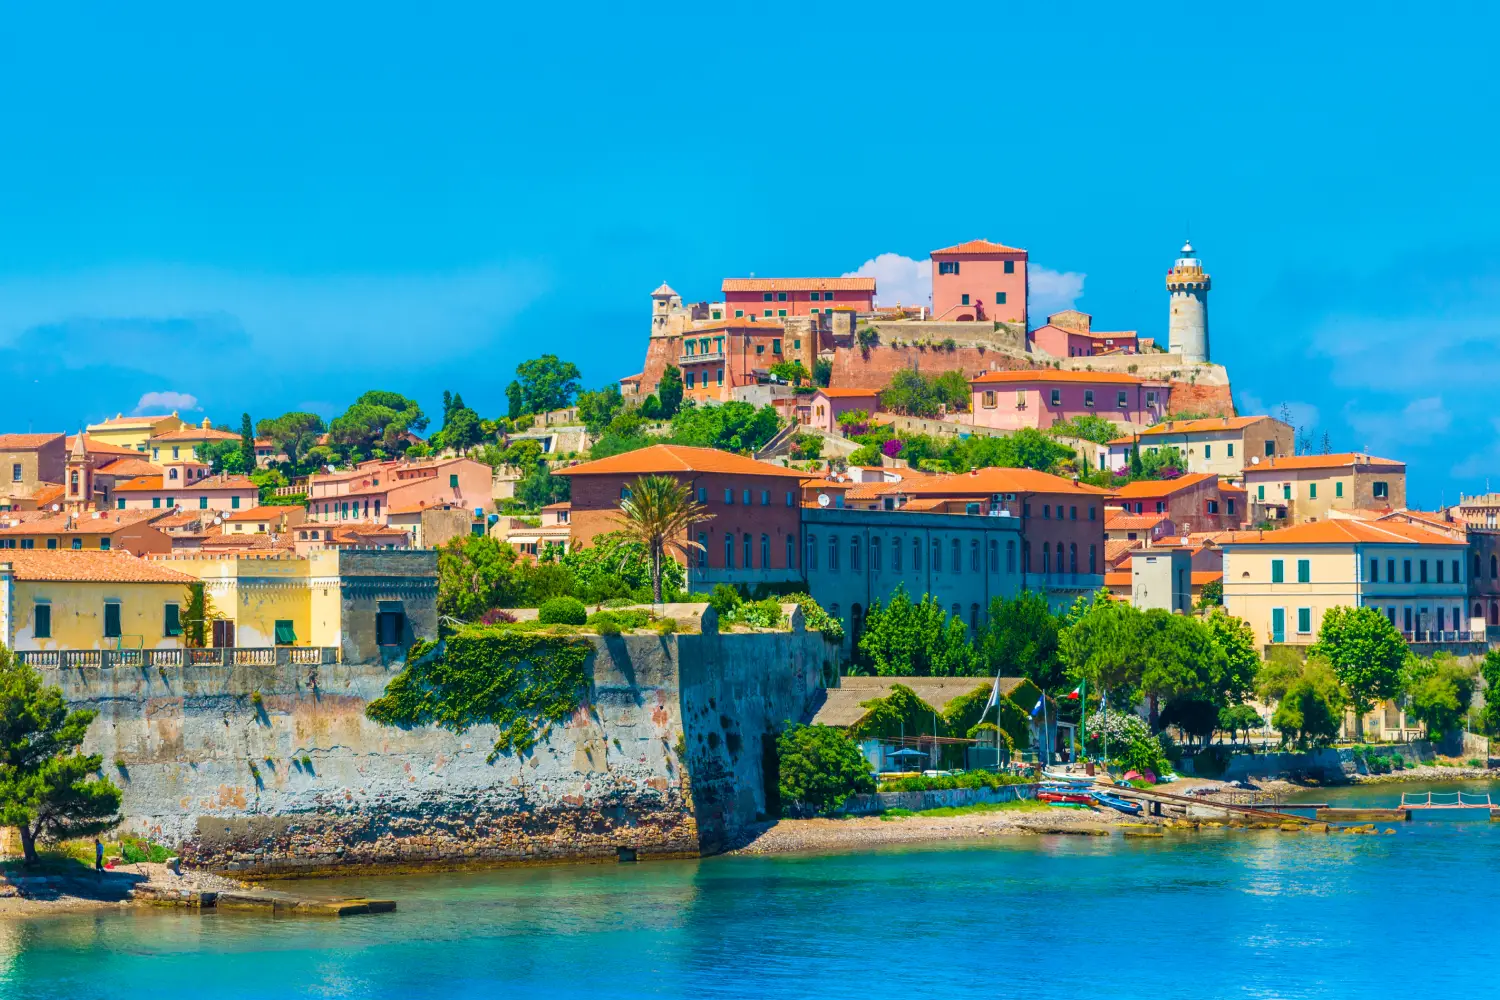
{"x": 1076, "y": 694}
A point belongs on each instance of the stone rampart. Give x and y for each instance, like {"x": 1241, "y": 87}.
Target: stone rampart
{"x": 275, "y": 768}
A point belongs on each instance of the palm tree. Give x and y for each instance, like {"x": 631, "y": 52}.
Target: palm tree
{"x": 659, "y": 510}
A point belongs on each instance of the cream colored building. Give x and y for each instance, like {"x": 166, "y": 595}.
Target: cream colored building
{"x": 133, "y": 432}
{"x": 1223, "y": 446}
{"x": 1304, "y": 488}
{"x": 1282, "y": 582}
{"x": 89, "y": 600}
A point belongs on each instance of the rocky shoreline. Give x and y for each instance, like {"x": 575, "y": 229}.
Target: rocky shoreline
{"x": 73, "y": 888}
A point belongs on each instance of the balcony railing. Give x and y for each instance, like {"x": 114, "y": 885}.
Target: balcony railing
{"x": 687, "y": 359}
{"x": 224, "y": 656}
{"x": 1434, "y": 635}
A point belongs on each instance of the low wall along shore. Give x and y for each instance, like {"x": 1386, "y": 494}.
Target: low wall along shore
{"x": 939, "y": 798}
{"x": 274, "y": 768}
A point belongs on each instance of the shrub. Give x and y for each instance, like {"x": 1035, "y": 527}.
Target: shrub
{"x": 495, "y": 616}
{"x": 1475, "y": 762}
{"x": 665, "y": 626}
{"x": 760, "y": 614}
{"x": 562, "y": 611}
{"x": 604, "y": 623}
{"x": 969, "y": 779}
{"x": 724, "y": 599}
{"x": 820, "y": 768}
{"x": 612, "y": 622}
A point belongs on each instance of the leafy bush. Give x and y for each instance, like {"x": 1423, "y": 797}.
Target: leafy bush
{"x": 614, "y": 621}
{"x": 815, "y": 619}
{"x": 969, "y": 779}
{"x": 605, "y": 623}
{"x": 134, "y": 850}
{"x": 759, "y": 614}
{"x": 563, "y": 611}
{"x": 724, "y": 599}
{"x": 1475, "y": 762}
{"x": 496, "y": 616}
{"x": 820, "y": 768}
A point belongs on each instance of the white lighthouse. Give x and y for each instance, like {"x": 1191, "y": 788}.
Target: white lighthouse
{"x": 1187, "y": 291}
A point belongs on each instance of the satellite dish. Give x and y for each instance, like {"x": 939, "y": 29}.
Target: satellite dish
{"x": 823, "y": 500}
{"x": 56, "y": 507}
{"x": 1254, "y": 459}
{"x": 218, "y": 520}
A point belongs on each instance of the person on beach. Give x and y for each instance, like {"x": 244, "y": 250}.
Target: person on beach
{"x": 98, "y": 855}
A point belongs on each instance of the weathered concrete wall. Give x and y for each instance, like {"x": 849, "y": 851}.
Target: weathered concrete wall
{"x": 207, "y": 766}
{"x": 879, "y": 802}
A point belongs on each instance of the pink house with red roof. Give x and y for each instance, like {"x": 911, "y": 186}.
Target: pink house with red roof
{"x": 828, "y": 404}
{"x": 1069, "y": 334}
{"x": 778, "y": 298}
{"x": 979, "y": 281}
{"x": 369, "y": 491}
{"x": 1039, "y": 398}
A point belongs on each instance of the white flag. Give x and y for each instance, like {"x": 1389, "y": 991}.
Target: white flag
{"x": 994, "y": 695}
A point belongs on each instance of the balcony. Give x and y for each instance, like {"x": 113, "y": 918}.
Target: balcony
{"x": 687, "y": 359}
{"x": 223, "y": 656}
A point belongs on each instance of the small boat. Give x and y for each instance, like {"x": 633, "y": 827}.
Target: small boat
{"x": 1117, "y": 803}
{"x": 1055, "y": 797}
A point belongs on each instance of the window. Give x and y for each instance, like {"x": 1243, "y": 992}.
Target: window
{"x": 791, "y": 551}
{"x": 1374, "y": 571}
{"x": 973, "y": 619}
{"x": 833, "y": 553}
{"x": 768, "y": 314}
{"x": 1010, "y": 555}
{"x": 987, "y": 399}
{"x": 811, "y": 561}
{"x": 947, "y": 267}
{"x": 717, "y": 314}
{"x": 1000, "y": 297}
{"x": 111, "y": 619}
{"x": 172, "y": 473}
{"x": 1229, "y": 506}
{"x": 1260, "y": 492}
{"x": 1439, "y": 571}
{"x": 1228, "y": 450}
{"x": 1304, "y": 621}
{"x": 171, "y": 619}
{"x": 687, "y": 380}
{"x": 749, "y": 551}
{"x": 203, "y": 503}
{"x": 765, "y": 498}
{"x": 41, "y": 621}
{"x": 789, "y": 499}
{"x": 103, "y": 544}
{"x": 1455, "y": 572}
{"x": 957, "y": 556}
{"x": 1423, "y": 571}
{"x": 775, "y": 347}
{"x": 1406, "y": 573}
{"x": 1010, "y": 267}
{"x": 1046, "y": 558}
{"x": 854, "y": 553}
{"x": 1304, "y": 571}
{"x": 966, "y": 298}
{"x": 234, "y": 503}
{"x": 703, "y": 494}
{"x": 895, "y": 555}
{"x": 28, "y": 543}
{"x": 994, "y": 556}
{"x": 703, "y": 549}
{"x": 739, "y": 314}
{"x": 874, "y": 555}
{"x": 1312, "y": 491}
{"x": 1093, "y": 559}
{"x": 624, "y": 492}
{"x": 916, "y": 554}
{"x": 1091, "y": 513}
{"x": 1382, "y": 490}
{"x": 721, "y": 376}
{"x": 155, "y": 501}
{"x": 781, "y": 296}
{"x": 15, "y": 473}
{"x": 1120, "y": 399}
{"x": 1338, "y": 488}
{"x": 729, "y": 496}
{"x": 937, "y": 556}
{"x": 765, "y": 297}
{"x": 1046, "y": 512}
{"x": 120, "y": 504}
{"x": 761, "y": 347}
{"x": 765, "y": 551}
{"x": 51, "y": 543}
{"x": 1210, "y": 506}
{"x": 1088, "y": 397}
{"x": 728, "y": 550}
{"x": 1278, "y": 624}
{"x": 746, "y": 497}
{"x": 1056, "y": 397}
{"x": 1277, "y": 571}
{"x": 78, "y": 544}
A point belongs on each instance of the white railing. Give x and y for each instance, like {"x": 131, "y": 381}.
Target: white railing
{"x": 264, "y": 656}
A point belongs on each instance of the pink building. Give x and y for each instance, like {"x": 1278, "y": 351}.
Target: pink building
{"x": 1069, "y": 334}
{"x": 369, "y": 491}
{"x": 778, "y": 298}
{"x": 827, "y": 404}
{"x": 187, "y": 485}
{"x": 979, "y": 281}
{"x": 1011, "y": 400}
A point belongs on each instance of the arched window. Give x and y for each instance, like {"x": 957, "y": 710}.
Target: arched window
{"x": 1025, "y": 555}
{"x": 1093, "y": 560}
{"x": 874, "y": 555}
{"x": 1478, "y": 610}
{"x": 749, "y": 551}
{"x": 728, "y": 551}
{"x": 1046, "y": 558}
{"x": 811, "y": 562}
{"x": 791, "y": 552}
{"x": 916, "y": 555}
{"x": 765, "y": 551}
{"x": 974, "y": 555}
{"x": 1010, "y": 555}
{"x": 1492, "y": 567}
{"x": 171, "y": 473}
{"x": 702, "y": 549}
{"x": 856, "y": 623}
{"x": 854, "y": 553}
{"x": 1494, "y": 614}
{"x": 994, "y": 556}
{"x": 937, "y": 556}
{"x": 973, "y": 620}
{"x": 895, "y": 555}
{"x": 957, "y": 614}
{"x": 1073, "y": 558}
{"x": 833, "y": 553}
{"x": 1476, "y": 565}
{"x": 958, "y": 562}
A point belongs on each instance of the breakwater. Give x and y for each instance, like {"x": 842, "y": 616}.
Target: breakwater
{"x": 275, "y": 769}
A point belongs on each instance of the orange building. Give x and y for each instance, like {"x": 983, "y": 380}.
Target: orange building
{"x": 718, "y": 358}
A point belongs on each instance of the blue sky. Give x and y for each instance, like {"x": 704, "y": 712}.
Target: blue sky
{"x": 279, "y": 209}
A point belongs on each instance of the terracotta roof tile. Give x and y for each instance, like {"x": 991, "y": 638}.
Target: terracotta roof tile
{"x": 1201, "y": 426}
{"x": 1341, "y": 532}
{"x": 129, "y": 467}
{"x": 46, "y": 493}
{"x": 798, "y": 285}
{"x": 1116, "y": 519}
{"x": 26, "y": 442}
{"x": 1061, "y": 375}
{"x": 35, "y": 522}
{"x": 1116, "y": 552}
{"x": 221, "y": 482}
{"x": 841, "y": 392}
{"x": 100, "y": 448}
{"x": 997, "y": 480}
{"x": 119, "y": 420}
{"x": 66, "y": 565}
{"x": 1340, "y": 461}
{"x": 197, "y": 434}
{"x": 670, "y": 458}
{"x": 977, "y": 246}
{"x": 1143, "y": 489}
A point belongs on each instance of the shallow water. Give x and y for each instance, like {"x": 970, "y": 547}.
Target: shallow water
{"x": 1213, "y": 914}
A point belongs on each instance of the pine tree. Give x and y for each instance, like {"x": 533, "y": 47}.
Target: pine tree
{"x": 247, "y": 443}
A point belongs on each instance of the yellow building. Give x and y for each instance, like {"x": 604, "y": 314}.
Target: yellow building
{"x": 89, "y": 600}
{"x": 133, "y": 432}
{"x": 370, "y": 604}
{"x": 1281, "y": 582}
{"x": 187, "y": 443}
{"x": 1304, "y": 488}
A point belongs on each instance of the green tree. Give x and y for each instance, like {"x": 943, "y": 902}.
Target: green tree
{"x": 293, "y": 434}
{"x": 223, "y": 457}
{"x": 461, "y": 426}
{"x": 1240, "y": 663}
{"x": 793, "y": 373}
{"x": 1439, "y": 690}
{"x": 597, "y": 409}
{"x": 1366, "y": 654}
{"x": 866, "y": 454}
{"x": 1105, "y": 648}
{"x": 247, "y": 442}
{"x": 617, "y": 565}
{"x": 475, "y": 575}
{"x": 1212, "y": 596}
{"x": 1236, "y": 719}
{"x": 820, "y": 767}
{"x": 47, "y": 787}
{"x": 1280, "y": 670}
{"x": 1310, "y": 711}
{"x": 669, "y": 392}
{"x": 1022, "y": 638}
{"x": 1489, "y": 669}
{"x": 515, "y": 400}
{"x": 903, "y": 638}
{"x": 734, "y": 426}
{"x": 1089, "y": 427}
{"x": 376, "y": 426}
{"x": 538, "y": 488}
{"x": 910, "y": 393}
{"x": 1137, "y": 468}
{"x": 952, "y": 389}
{"x": 659, "y": 511}
{"x": 547, "y": 383}
{"x": 822, "y": 371}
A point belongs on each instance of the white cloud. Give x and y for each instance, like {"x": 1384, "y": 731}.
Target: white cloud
{"x": 166, "y": 401}
{"x": 903, "y": 281}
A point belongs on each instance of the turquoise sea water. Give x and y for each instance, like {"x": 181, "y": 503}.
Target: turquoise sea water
{"x": 1258, "y": 915}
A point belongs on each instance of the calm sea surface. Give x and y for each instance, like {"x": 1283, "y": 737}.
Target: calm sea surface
{"x": 1259, "y": 915}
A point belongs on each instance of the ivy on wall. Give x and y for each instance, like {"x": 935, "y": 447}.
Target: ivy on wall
{"x": 523, "y": 682}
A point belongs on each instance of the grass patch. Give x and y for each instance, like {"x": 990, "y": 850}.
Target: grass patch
{"x": 1018, "y": 805}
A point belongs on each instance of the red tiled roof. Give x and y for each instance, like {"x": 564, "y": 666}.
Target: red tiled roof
{"x": 1341, "y": 532}
{"x": 26, "y": 442}
{"x": 1201, "y": 426}
{"x": 93, "y": 447}
{"x": 833, "y": 392}
{"x": 1116, "y": 519}
{"x": 1116, "y": 552}
{"x": 66, "y": 565}
{"x": 976, "y": 247}
{"x": 222, "y": 482}
{"x": 120, "y": 420}
{"x": 670, "y": 458}
{"x": 798, "y": 285}
{"x": 1340, "y": 461}
{"x": 262, "y": 513}
{"x": 1143, "y": 489}
{"x": 46, "y": 493}
{"x": 196, "y": 434}
{"x": 996, "y": 480}
{"x": 34, "y": 522}
{"x": 129, "y": 467}
{"x": 1055, "y": 375}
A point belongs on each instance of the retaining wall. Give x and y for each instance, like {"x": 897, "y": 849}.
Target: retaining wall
{"x": 879, "y": 802}
{"x": 665, "y": 756}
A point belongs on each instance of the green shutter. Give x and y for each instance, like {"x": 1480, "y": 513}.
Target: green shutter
{"x": 1304, "y": 620}
{"x": 285, "y": 634}
{"x": 1304, "y": 571}
{"x": 1277, "y": 573}
{"x": 171, "y": 620}
{"x": 1278, "y": 625}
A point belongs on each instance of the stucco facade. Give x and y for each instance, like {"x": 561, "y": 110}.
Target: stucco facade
{"x": 1012, "y": 400}
{"x": 979, "y": 281}
{"x": 780, "y": 298}
{"x": 28, "y": 461}
{"x": 1224, "y": 446}
{"x": 369, "y": 492}
{"x": 1305, "y": 488}
{"x": 1192, "y": 502}
{"x": 89, "y": 601}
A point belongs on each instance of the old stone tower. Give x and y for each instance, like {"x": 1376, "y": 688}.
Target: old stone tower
{"x": 1187, "y": 290}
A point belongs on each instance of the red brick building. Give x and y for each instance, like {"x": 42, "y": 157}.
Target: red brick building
{"x": 753, "y": 534}
{"x": 1193, "y": 502}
